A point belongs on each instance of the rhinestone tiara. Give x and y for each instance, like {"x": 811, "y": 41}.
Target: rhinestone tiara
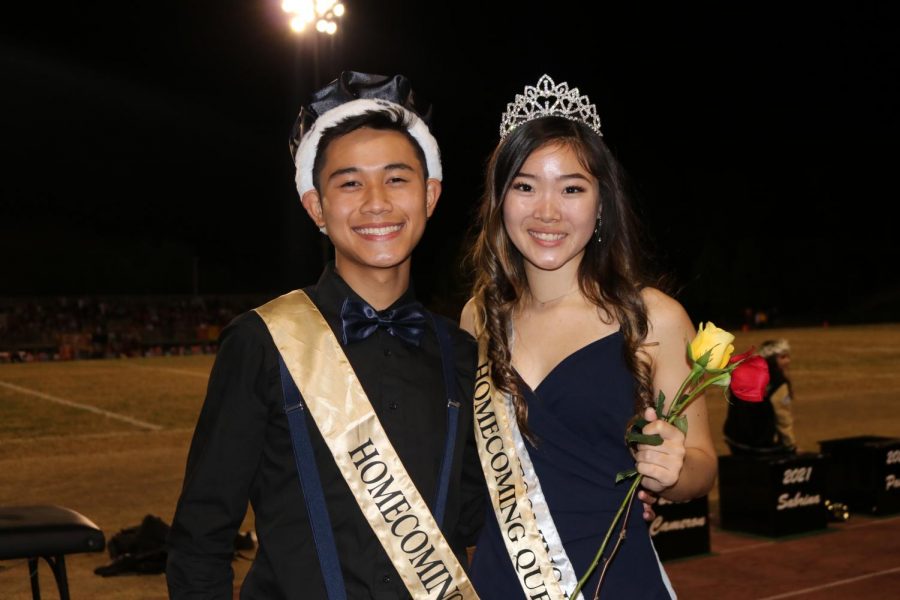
{"x": 548, "y": 99}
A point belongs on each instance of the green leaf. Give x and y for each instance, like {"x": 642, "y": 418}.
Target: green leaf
{"x": 640, "y": 438}
{"x": 704, "y": 360}
{"x": 717, "y": 371}
{"x": 724, "y": 381}
{"x": 681, "y": 423}
{"x": 690, "y": 352}
{"x": 623, "y": 475}
{"x": 639, "y": 424}
{"x": 660, "y": 403}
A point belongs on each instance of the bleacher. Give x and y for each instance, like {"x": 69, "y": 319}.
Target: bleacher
{"x": 85, "y": 327}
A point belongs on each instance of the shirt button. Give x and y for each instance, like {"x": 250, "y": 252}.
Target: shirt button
{"x": 393, "y": 406}
{"x": 386, "y": 579}
{"x": 387, "y": 352}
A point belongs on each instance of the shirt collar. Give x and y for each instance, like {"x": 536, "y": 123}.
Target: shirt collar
{"x": 332, "y": 290}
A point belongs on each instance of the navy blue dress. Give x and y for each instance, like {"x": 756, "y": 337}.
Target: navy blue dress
{"x": 578, "y": 414}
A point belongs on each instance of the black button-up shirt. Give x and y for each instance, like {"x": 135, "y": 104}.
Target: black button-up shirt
{"x": 242, "y": 450}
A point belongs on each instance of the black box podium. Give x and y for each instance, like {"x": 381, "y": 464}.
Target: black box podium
{"x": 773, "y": 496}
{"x": 864, "y": 473}
{"x": 681, "y": 529}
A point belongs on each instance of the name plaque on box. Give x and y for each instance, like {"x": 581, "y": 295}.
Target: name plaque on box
{"x": 680, "y": 529}
{"x": 864, "y": 473}
{"x": 772, "y": 496}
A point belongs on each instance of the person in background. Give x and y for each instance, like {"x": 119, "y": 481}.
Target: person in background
{"x": 780, "y": 391}
{"x": 767, "y": 427}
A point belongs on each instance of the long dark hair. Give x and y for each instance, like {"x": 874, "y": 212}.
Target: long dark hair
{"x": 610, "y": 274}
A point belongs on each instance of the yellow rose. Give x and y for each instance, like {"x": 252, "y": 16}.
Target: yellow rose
{"x": 715, "y": 341}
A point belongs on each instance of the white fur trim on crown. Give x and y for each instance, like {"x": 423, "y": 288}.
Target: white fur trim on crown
{"x": 306, "y": 153}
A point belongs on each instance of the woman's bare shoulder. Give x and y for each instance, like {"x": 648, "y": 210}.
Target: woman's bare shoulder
{"x": 467, "y": 318}
{"x": 666, "y": 316}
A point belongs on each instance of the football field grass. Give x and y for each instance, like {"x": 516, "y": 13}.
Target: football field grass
{"x": 109, "y": 438}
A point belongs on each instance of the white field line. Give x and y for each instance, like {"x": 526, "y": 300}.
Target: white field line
{"x": 744, "y": 548}
{"x": 83, "y": 436}
{"x": 875, "y": 521}
{"x": 837, "y": 583}
{"x": 87, "y": 407}
{"x": 879, "y": 522}
{"x": 171, "y": 370}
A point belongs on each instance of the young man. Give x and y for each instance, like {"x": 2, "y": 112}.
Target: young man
{"x": 343, "y": 412}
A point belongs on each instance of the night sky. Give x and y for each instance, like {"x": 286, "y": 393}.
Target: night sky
{"x": 146, "y": 142}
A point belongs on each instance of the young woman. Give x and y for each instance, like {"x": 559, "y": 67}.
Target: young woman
{"x": 574, "y": 343}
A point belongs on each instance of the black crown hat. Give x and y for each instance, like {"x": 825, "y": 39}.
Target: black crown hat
{"x": 353, "y": 85}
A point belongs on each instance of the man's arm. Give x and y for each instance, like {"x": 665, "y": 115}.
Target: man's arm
{"x": 221, "y": 465}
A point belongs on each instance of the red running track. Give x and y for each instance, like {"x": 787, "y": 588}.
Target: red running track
{"x": 858, "y": 559}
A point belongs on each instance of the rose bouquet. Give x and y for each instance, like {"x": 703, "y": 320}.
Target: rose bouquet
{"x": 712, "y": 364}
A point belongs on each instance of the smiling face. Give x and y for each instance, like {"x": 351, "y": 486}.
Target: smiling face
{"x": 551, "y": 207}
{"x": 374, "y": 201}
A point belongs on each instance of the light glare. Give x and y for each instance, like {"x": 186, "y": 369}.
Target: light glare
{"x": 322, "y": 13}
{"x": 323, "y": 6}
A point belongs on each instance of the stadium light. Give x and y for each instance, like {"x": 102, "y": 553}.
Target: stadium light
{"x": 319, "y": 14}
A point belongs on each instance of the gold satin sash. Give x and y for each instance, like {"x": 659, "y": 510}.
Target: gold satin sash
{"x": 387, "y": 496}
{"x": 508, "y": 492}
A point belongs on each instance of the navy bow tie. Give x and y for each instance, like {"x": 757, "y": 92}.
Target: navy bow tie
{"x": 359, "y": 321}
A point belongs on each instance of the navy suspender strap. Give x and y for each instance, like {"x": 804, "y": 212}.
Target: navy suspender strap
{"x": 311, "y": 485}
{"x": 443, "y": 336}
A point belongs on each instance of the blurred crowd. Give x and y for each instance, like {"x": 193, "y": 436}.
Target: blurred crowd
{"x": 759, "y": 318}
{"x": 67, "y": 328}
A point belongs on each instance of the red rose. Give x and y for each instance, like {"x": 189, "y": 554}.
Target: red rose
{"x": 750, "y": 378}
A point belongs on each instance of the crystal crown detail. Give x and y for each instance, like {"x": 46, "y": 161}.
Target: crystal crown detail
{"x": 548, "y": 99}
